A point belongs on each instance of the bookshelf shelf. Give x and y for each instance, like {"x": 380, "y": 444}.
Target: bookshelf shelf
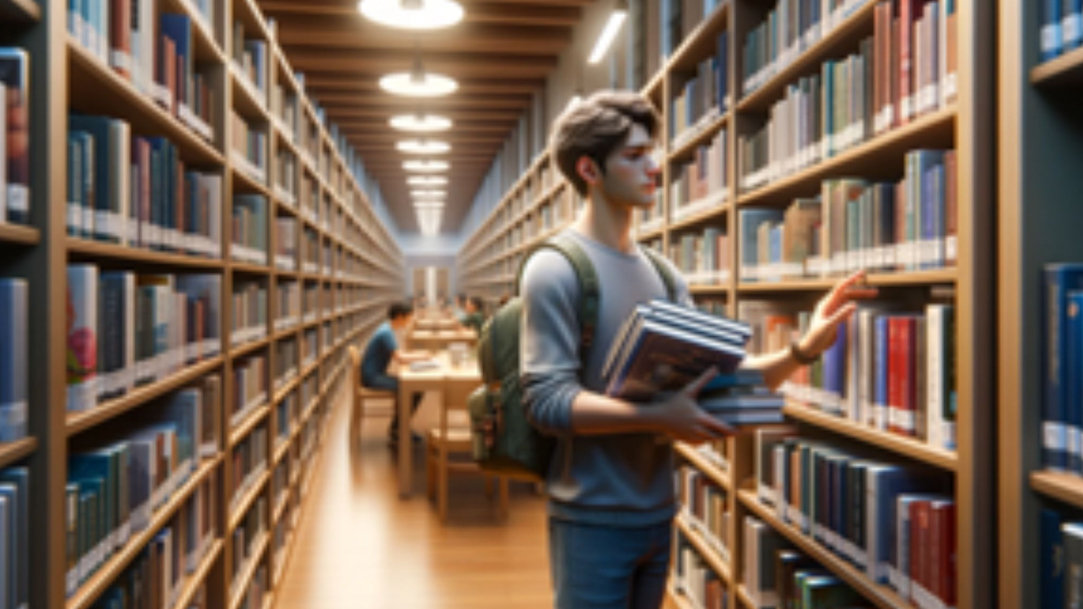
{"x": 700, "y": 42}
{"x": 1064, "y": 70}
{"x": 280, "y": 506}
{"x": 745, "y": 598}
{"x": 97, "y": 89}
{"x": 97, "y": 583}
{"x": 880, "y": 595}
{"x": 253, "y": 418}
{"x": 718, "y": 563}
{"x": 248, "y": 498}
{"x": 909, "y": 447}
{"x": 714, "y": 206}
{"x": 244, "y": 182}
{"x": 704, "y": 464}
{"x": 678, "y": 599}
{"x": 903, "y": 278}
{"x": 245, "y": 348}
{"x": 239, "y": 585}
{"x": 138, "y": 256}
{"x": 693, "y": 137}
{"x": 246, "y": 98}
{"x": 881, "y": 156}
{"x": 78, "y": 422}
{"x": 703, "y": 289}
{"x": 199, "y": 576}
{"x": 17, "y": 233}
{"x": 19, "y": 11}
{"x": 286, "y": 389}
{"x": 281, "y": 450}
{"x": 842, "y": 37}
{"x": 13, "y": 452}
{"x": 1061, "y": 486}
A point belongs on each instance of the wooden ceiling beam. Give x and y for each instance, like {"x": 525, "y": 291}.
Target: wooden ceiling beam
{"x": 457, "y": 65}
{"x": 356, "y": 35}
{"x": 476, "y": 12}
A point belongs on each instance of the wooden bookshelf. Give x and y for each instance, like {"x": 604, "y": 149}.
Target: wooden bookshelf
{"x": 902, "y": 445}
{"x": 1064, "y": 487}
{"x": 87, "y": 249}
{"x": 880, "y": 595}
{"x": 20, "y": 11}
{"x": 718, "y": 563}
{"x": 199, "y": 576}
{"x": 13, "y": 452}
{"x": 239, "y": 585}
{"x": 496, "y": 245}
{"x": 1064, "y": 70}
{"x": 711, "y": 469}
{"x": 17, "y": 233}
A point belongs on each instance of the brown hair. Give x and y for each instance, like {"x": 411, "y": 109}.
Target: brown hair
{"x": 595, "y": 127}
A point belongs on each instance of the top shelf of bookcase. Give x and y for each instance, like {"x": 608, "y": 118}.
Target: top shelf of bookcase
{"x": 19, "y": 11}
{"x": 1064, "y": 70}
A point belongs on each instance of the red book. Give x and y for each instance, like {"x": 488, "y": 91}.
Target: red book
{"x": 920, "y": 555}
{"x": 120, "y": 37}
{"x": 909, "y": 10}
{"x": 900, "y": 381}
{"x": 943, "y": 522}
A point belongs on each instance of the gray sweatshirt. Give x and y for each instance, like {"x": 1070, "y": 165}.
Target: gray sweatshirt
{"x": 618, "y": 479}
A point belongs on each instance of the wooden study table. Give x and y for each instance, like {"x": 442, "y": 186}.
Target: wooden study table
{"x": 440, "y": 339}
{"x": 413, "y": 381}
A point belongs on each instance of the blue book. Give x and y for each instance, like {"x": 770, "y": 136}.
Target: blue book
{"x": 1052, "y": 560}
{"x": 13, "y": 357}
{"x": 1074, "y": 378}
{"x": 834, "y": 360}
{"x": 18, "y": 481}
{"x": 1060, "y": 279}
{"x": 178, "y": 28}
{"x": 1050, "y": 22}
{"x": 1071, "y": 25}
{"x": 932, "y": 213}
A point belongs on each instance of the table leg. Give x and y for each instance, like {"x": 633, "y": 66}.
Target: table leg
{"x": 406, "y": 451}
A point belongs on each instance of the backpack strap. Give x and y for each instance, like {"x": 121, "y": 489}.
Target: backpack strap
{"x": 588, "y": 283}
{"x": 663, "y": 270}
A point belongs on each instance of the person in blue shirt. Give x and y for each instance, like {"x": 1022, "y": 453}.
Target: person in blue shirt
{"x": 381, "y": 350}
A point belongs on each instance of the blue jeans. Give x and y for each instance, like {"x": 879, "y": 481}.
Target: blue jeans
{"x": 602, "y": 567}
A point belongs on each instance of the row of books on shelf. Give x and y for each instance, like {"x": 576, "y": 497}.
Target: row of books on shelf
{"x": 249, "y": 461}
{"x": 692, "y": 578}
{"x": 670, "y": 26}
{"x": 854, "y": 224}
{"x": 1061, "y": 23}
{"x": 285, "y": 362}
{"x": 703, "y": 257}
{"x": 891, "y": 367}
{"x": 1062, "y": 359}
{"x": 1061, "y": 559}
{"x": 853, "y": 99}
{"x": 14, "y": 135}
{"x": 249, "y": 230}
{"x": 704, "y": 96}
{"x": 248, "y": 537}
{"x": 701, "y": 183}
{"x": 779, "y": 575}
{"x": 705, "y": 508}
{"x": 157, "y": 576}
{"x": 157, "y": 58}
{"x": 127, "y": 329}
{"x": 250, "y": 56}
{"x": 285, "y": 110}
{"x": 14, "y": 351}
{"x": 15, "y": 541}
{"x": 249, "y": 147}
{"x": 249, "y": 312}
{"x": 895, "y": 523}
{"x": 135, "y": 190}
{"x": 113, "y": 491}
{"x": 250, "y": 377}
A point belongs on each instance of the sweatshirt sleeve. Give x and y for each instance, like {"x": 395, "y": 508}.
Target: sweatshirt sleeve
{"x": 549, "y": 337}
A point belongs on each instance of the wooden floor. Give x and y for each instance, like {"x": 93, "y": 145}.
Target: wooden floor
{"x": 360, "y": 546}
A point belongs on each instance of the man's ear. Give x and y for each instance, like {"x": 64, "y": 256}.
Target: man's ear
{"x": 588, "y": 170}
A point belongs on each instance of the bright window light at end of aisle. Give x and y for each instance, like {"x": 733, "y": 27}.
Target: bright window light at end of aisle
{"x": 426, "y": 181}
{"x": 414, "y": 84}
{"x": 420, "y": 122}
{"x": 609, "y": 32}
{"x": 423, "y": 146}
{"x": 412, "y": 14}
{"x": 429, "y": 166}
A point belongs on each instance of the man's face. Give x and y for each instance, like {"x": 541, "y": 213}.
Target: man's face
{"x": 631, "y": 173}
{"x": 401, "y": 321}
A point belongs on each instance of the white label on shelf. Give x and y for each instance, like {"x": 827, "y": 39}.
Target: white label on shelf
{"x": 120, "y": 60}
{"x": 951, "y": 245}
{"x": 1050, "y": 37}
{"x": 906, "y": 107}
{"x": 18, "y": 198}
{"x": 1054, "y": 436}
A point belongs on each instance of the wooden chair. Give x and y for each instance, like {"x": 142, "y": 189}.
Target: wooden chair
{"x": 449, "y": 449}
{"x": 360, "y": 394}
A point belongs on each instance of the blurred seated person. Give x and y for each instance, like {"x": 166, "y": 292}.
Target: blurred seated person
{"x": 381, "y": 350}
{"x": 475, "y": 317}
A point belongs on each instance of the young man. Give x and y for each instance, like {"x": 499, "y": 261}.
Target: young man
{"x": 381, "y": 350}
{"x": 475, "y": 316}
{"x": 610, "y": 482}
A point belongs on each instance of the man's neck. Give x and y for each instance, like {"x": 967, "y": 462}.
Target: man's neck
{"x": 607, "y": 223}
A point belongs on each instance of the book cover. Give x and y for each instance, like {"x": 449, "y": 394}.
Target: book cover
{"x": 1060, "y": 279}
{"x": 14, "y": 322}
{"x": 15, "y": 75}
{"x": 1052, "y": 560}
{"x": 16, "y": 482}
{"x": 82, "y": 340}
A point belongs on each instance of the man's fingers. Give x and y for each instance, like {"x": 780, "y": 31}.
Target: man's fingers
{"x": 836, "y": 297}
{"x": 693, "y": 388}
{"x": 841, "y": 315}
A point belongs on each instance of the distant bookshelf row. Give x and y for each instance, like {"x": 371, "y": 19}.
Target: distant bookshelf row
{"x": 217, "y": 252}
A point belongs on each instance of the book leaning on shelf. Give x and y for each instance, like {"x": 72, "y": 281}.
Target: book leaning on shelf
{"x": 662, "y": 347}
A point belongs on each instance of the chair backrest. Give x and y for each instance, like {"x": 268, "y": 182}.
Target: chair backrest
{"x": 455, "y": 394}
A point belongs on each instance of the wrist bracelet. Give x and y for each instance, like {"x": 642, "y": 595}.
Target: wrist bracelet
{"x": 800, "y": 357}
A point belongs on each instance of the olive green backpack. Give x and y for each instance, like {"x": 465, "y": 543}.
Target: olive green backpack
{"x": 504, "y": 441}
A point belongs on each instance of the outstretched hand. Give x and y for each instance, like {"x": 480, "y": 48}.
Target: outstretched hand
{"x": 834, "y": 308}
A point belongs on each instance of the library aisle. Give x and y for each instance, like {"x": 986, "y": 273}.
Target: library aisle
{"x": 359, "y": 545}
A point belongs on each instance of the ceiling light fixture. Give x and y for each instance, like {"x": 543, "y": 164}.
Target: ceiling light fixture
{"x": 426, "y": 181}
{"x": 420, "y": 205}
{"x": 423, "y": 146}
{"x": 609, "y": 32}
{"x": 418, "y": 83}
{"x": 428, "y": 194}
{"x": 412, "y": 14}
{"x": 427, "y": 166}
{"x": 420, "y": 122}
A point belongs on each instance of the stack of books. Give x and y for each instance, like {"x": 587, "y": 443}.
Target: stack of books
{"x": 662, "y": 347}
